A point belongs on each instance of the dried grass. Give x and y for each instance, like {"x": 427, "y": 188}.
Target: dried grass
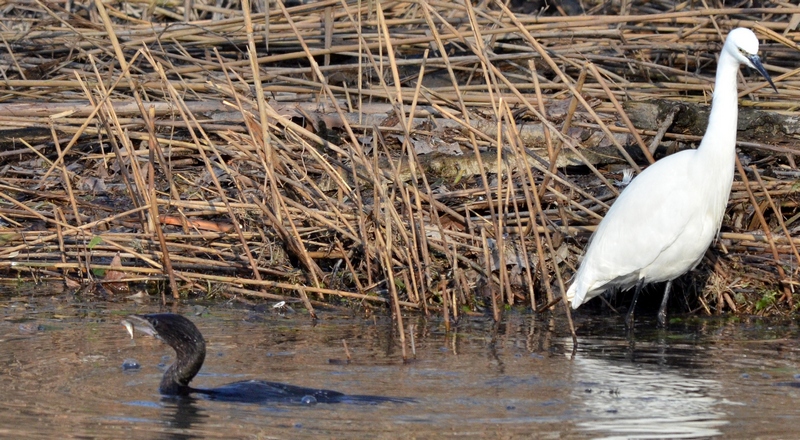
{"x": 283, "y": 157}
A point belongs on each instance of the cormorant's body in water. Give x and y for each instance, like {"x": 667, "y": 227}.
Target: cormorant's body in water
{"x": 190, "y": 349}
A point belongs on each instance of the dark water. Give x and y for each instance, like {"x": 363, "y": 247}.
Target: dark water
{"x": 62, "y": 376}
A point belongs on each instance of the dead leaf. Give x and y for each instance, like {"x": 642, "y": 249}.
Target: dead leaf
{"x": 113, "y": 281}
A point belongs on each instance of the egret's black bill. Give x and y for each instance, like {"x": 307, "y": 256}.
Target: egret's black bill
{"x": 760, "y": 67}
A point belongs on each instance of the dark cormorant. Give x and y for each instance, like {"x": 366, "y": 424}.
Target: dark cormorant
{"x": 190, "y": 349}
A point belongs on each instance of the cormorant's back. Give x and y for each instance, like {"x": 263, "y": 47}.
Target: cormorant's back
{"x": 190, "y": 350}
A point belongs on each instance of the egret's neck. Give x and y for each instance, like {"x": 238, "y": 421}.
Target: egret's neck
{"x": 720, "y": 138}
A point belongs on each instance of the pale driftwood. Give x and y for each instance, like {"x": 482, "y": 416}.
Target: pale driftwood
{"x": 765, "y": 127}
{"x": 596, "y": 148}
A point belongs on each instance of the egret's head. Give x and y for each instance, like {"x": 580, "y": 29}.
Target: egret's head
{"x": 742, "y": 43}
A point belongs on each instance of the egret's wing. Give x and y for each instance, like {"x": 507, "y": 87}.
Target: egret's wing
{"x": 647, "y": 218}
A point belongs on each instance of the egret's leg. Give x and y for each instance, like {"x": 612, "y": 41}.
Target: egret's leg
{"x": 662, "y": 311}
{"x": 629, "y": 316}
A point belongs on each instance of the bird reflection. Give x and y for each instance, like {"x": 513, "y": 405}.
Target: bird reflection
{"x": 180, "y": 415}
{"x": 624, "y": 399}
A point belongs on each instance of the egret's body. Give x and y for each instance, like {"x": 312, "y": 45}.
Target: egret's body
{"x": 663, "y": 222}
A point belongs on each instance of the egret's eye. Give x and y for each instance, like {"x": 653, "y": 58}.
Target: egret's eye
{"x": 743, "y": 52}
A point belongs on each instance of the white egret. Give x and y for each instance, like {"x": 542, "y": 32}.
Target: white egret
{"x": 663, "y": 222}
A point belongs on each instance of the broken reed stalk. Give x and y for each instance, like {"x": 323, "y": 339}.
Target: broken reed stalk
{"x": 246, "y": 125}
{"x": 767, "y": 233}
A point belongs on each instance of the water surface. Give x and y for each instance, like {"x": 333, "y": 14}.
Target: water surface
{"x": 62, "y": 375}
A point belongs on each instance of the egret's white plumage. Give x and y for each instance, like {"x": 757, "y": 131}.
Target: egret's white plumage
{"x": 663, "y": 222}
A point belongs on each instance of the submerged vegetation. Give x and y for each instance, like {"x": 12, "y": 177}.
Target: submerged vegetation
{"x": 415, "y": 155}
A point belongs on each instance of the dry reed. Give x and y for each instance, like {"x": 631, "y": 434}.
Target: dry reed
{"x": 423, "y": 155}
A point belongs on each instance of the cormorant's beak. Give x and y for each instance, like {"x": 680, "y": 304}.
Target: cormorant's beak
{"x": 139, "y": 323}
{"x": 756, "y": 61}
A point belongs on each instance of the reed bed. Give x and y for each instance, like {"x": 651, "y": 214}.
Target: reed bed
{"x": 416, "y": 155}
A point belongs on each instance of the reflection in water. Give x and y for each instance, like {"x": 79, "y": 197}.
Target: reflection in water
{"x": 643, "y": 401}
{"x": 180, "y": 415}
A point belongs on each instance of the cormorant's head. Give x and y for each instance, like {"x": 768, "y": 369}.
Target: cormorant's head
{"x": 184, "y": 337}
{"x": 177, "y": 331}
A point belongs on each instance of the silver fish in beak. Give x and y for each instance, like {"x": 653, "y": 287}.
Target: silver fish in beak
{"x": 135, "y": 323}
{"x": 128, "y": 326}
